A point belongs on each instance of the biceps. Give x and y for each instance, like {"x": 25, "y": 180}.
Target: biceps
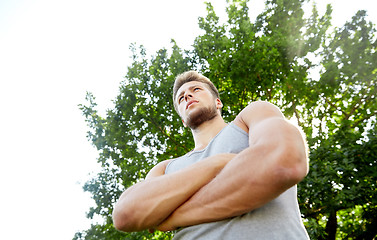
{"x": 158, "y": 170}
{"x": 283, "y": 138}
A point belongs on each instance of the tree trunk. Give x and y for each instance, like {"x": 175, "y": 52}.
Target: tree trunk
{"x": 371, "y": 231}
{"x": 331, "y": 226}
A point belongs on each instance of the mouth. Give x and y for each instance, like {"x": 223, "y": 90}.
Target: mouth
{"x": 190, "y": 103}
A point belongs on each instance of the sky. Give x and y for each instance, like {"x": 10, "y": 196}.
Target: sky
{"x": 51, "y": 53}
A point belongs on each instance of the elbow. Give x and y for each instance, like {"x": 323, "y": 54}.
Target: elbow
{"x": 286, "y": 177}
{"x": 293, "y": 169}
{"x": 294, "y": 157}
{"x": 122, "y": 220}
{"x": 298, "y": 171}
{"x": 300, "y": 163}
{"x": 290, "y": 164}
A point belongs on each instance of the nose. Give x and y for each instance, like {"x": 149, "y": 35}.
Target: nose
{"x": 188, "y": 95}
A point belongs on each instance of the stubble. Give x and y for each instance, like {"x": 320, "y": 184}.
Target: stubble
{"x": 196, "y": 118}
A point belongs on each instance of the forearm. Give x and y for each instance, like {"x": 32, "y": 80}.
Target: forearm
{"x": 148, "y": 203}
{"x": 251, "y": 179}
{"x": 227, "y": 195}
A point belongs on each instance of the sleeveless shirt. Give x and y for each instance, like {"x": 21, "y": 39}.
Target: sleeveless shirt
{"x": 278, "y": 219}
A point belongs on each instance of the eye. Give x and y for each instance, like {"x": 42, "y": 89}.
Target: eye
{"x": 180, "y": 99}
{"x": 196, "y": 89}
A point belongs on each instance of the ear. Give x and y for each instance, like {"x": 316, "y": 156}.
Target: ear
{"x": 184, "y": 124}
{"x": 219, "y": 104}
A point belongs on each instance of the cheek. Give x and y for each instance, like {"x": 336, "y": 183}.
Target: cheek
{"x": 180, "y": 110}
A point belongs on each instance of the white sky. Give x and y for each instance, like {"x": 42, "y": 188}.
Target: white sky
{"x": 51, "y": 53}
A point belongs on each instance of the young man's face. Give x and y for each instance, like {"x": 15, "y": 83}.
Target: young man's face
{"x": 196, "y": 104}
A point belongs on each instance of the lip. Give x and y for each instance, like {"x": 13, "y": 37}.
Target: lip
{"x": 191, "y": 102}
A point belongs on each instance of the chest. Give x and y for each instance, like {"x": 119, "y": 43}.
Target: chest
{"x": 230, "y": 140}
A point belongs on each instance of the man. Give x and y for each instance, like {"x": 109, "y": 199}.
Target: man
{"x": 239, "y": 182}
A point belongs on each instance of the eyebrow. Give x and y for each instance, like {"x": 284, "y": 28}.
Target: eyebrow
{"x": 182, "y": 92}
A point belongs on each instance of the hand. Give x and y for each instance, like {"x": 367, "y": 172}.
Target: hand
{"x": 166, "y": 226}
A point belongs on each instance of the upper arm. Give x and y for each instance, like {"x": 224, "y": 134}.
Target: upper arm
{"x": 255, "y": 113}
{"x": 268, "y": 127}
{"x": 158, "y": 170}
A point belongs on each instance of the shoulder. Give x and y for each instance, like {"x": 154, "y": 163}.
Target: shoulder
{"x": 158, "y": 170}
{"x": 256, "y": 112}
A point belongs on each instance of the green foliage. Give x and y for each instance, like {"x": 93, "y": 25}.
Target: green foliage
{"x": 343, "y": 167}
{"x": 140, "y": 131}
{"x": 108, "y": 232}
{"x": 270, "y": 59}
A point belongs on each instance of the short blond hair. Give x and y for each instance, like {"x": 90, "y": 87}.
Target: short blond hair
{"x": 190, "y": 76}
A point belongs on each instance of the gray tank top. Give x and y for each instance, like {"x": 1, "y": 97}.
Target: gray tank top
{"x": 278, "y": 219}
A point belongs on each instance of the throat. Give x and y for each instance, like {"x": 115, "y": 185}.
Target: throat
{"x": 204, "y": 134}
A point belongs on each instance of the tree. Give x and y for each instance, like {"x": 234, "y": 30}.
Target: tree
{"x": 270, "y": 59}
{"x": 341, "y": 185}
{"x": 141, "y": 130}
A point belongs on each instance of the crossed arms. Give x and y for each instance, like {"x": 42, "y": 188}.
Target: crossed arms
{"x": 221, "y": 186}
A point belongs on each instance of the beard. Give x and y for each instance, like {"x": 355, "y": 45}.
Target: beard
{"x": 196, "y": 118}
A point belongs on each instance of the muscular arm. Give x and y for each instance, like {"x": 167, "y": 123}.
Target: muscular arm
{"x": 275, "y": 161}
{"x": 146, "y": 204}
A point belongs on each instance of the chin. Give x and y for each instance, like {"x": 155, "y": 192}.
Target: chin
{"x": 198, "y": 117}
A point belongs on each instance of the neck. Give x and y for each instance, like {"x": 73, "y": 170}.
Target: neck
{"x": 207, "y": 131}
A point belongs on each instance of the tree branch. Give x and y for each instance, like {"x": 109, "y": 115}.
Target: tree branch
{"x": 357, "y": 104}
{"x": 162, "y": 130}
